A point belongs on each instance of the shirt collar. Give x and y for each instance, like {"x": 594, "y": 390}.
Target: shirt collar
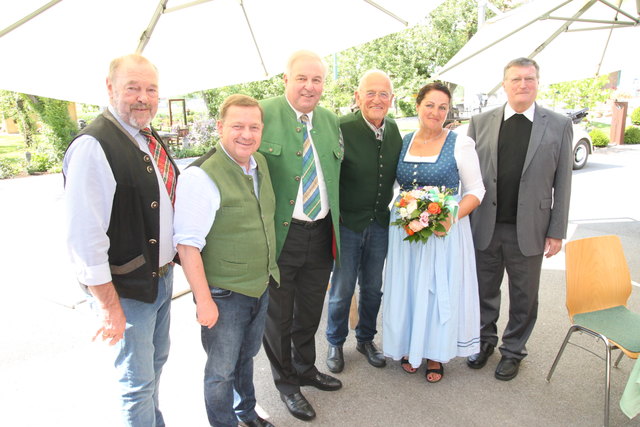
{"x": 379, "y": 132}
{"x": 298, "y": 113}
{"x": 528, "y": 113}
{"x": 252, "y": 162}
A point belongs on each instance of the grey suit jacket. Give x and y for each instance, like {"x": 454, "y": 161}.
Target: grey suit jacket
{"x": 545, "y": 186}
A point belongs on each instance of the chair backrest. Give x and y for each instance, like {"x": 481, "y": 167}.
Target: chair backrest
{"x": 597, "y": 274}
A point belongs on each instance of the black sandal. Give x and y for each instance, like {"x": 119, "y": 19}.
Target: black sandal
{"x": 439, "y": 371}
{"x": 404, "y": 362}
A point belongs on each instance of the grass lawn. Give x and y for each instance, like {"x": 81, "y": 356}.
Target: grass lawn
{"x": 11, "y": 146}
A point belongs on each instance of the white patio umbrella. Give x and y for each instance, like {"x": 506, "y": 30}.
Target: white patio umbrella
{"x": 570, "y": 40}
{"x": 62, "y": 48}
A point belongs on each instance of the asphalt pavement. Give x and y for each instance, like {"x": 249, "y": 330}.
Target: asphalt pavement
{"x": 52, "y": 374}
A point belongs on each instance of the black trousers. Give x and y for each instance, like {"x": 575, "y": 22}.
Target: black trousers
{"x": 295, "y": 307}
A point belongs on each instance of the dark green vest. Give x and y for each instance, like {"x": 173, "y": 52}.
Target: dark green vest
{"x": 368, "y": 172}
{"x": 282, "y": 147}
{"x": 239, "y": 254}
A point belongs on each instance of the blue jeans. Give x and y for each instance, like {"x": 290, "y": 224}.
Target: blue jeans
{"x": 362, "y": 258}
{"x": 140, "y": 356}
{"x": 231, "y": 346}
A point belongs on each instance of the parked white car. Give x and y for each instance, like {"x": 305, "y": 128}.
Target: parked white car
{"x": 582, "y": 144}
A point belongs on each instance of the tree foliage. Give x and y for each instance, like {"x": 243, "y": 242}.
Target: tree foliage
{"x": 577, "y": 94}
{"x": 410, "y": 57}
{"x": 14, "y": 105}
{"x": 58, "y": 127}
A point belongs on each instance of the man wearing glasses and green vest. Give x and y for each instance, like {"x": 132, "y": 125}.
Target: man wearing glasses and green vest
{"x": 372, "y": 146}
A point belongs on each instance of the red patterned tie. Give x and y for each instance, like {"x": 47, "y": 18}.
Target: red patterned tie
{"x": 162, "y": 161}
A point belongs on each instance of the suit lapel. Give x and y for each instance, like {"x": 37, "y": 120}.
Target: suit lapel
{"x": 537, "y": 131}
{"x": 494, "y": 133}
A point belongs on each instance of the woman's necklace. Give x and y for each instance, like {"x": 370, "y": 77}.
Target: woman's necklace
{"x": 433, "y": 139}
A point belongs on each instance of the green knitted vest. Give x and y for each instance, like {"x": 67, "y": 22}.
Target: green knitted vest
{"x": 240, "y": 253}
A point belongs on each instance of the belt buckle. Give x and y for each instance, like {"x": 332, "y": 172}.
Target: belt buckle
{"x": 162, "y": 271}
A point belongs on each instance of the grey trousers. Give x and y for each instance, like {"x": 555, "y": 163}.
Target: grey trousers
{"x": 523, "y": 272}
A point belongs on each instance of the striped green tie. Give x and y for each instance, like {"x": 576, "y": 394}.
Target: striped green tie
{"x": 311, "y": 191}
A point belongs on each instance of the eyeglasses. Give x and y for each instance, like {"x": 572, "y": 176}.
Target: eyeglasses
{"x": 372, "y": 94}
{"x": 518, "y": 80}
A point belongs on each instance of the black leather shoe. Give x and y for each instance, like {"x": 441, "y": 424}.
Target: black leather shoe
{"x": 298, "y": 406}
{"x": 507, "y": 368}
{"x": 478, "y": 360}
{"x": 373, "y": 353}
{"x": 322, "y": 382}
{"x": 258, "y": 422}
{"x": 335, "y": 359}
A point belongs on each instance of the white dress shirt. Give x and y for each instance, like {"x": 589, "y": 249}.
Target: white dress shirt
{"x": 88, "y": 198}
{"x": 528, "y": 113}
{"x": 197, "y": 201}
{"x": 298, "y": 209}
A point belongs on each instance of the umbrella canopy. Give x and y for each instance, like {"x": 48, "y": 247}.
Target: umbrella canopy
{"x": 62, "y": 48}
{"x": 570, "y": 40}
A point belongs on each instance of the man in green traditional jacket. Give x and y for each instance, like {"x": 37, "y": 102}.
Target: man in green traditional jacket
{"x": 372, "y": 145}
{"x": 302, "y": 145}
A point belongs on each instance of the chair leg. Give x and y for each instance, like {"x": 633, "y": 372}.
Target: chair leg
{"x": 571, "y": 330}
{"x": 618, "y": 359}
{"x": 607, "y": 377}
{"x": 607, "y": 383}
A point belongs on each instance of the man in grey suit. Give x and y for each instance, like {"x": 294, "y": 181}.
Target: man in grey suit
{"x": 525, "y": 159}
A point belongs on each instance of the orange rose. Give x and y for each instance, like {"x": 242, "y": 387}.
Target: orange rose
{"x": 402, "y": 203}
{"x": 434, "y": 208}
{"x": 408, "y": 230}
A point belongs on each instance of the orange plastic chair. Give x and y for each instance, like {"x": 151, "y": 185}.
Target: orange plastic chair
{"x": 598, "y": 287}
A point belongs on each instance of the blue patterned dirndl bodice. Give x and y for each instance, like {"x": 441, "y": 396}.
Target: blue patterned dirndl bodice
{"x": 444, "y": 171}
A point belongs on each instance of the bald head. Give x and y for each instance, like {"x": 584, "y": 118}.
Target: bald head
{"x": 374, "y": 96}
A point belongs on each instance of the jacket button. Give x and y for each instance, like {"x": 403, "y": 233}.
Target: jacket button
{"x": 286, "y": 224}
{"x": 298, "y": 153}
{"x": 154, "y": 274}
{"x": 292, "y": 202}
{"x": 493, "y": 203}
{"x": 150, "y": 169}
{"x": 154, "y": 205}
{"x": 146, "y": 158}
{"x": 271, "y": 150}
{"x": 297, "y": 178}
{"x": 153, "y": 241}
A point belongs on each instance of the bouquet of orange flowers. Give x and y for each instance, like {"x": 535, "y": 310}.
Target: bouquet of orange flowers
{"x": 421, "y": 211}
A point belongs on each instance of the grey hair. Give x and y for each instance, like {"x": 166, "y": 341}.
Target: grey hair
{"x": 522, "y": 62}
{"x": 133, "y": 57}
{"x": 300, "y": 54}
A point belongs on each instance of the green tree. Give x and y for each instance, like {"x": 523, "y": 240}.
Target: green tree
{"x": 410, "y": 57}
{"x": 260, "y": 89}
{"x": 59, "y": 129}
{"x": 585, "y": 93}
{"x": 14, "y": 105}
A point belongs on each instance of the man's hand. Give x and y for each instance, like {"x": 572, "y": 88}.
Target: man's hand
{"x": 113, "y": 321}
{"x": 552, "y": 246}
{"x": 207, "y": 312}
